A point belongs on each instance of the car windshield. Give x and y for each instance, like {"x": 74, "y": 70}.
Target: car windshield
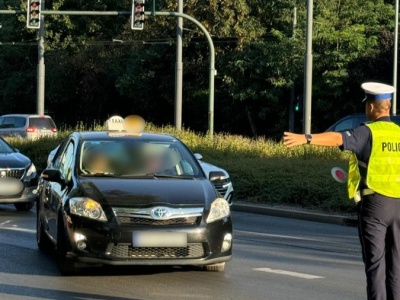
{"x": 140, "y": 158}
{"x": 5, "y": 147}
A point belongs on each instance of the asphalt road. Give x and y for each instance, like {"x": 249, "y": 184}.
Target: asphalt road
{"x": 274, "y": 258}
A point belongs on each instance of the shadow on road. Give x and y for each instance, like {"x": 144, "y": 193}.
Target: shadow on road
{"x": 19, "y": 290}
{"x": 25, "y": 261}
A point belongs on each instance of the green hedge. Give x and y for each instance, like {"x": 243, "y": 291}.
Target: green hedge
{"x": 262, "y": 171}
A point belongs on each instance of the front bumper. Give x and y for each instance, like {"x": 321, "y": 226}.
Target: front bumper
{"x": 28, "y": 195}
{"x": 113, "y": 246}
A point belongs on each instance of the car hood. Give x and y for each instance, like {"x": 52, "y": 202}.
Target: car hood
{"x": 148, "y": 192}
{"x": 14, "y": 160}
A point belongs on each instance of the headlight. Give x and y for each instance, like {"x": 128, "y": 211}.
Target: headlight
{"x": 31, "y": 171}
{"x": 219, "y": 209}
{"x": 88, "y": 208}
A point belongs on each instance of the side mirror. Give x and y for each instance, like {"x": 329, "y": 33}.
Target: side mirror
{"x": 198, "y": 156}
{"x": 53, "y": 175}
{"x": 217, "y": 176}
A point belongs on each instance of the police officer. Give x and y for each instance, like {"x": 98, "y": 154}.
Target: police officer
{"x": 374, "y": 173}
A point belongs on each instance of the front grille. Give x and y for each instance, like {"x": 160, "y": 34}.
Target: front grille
{"x": 13, "y": 173}
{"x": 220, "y": 188}
{"x": 194, "y": 250}
{"x": 153, "y": 222}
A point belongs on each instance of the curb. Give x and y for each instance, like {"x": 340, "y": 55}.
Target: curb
{"x": 295, "y": 214}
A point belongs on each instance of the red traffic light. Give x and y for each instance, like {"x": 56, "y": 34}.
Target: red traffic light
{"x": 137, "y": 18}
{"x": 33, "y": 14}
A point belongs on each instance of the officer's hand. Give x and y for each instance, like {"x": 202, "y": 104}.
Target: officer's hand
{"x": 293, "y": 139}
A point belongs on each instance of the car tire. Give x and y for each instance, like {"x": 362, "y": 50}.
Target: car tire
{"x": 24, "y": 206}
{"x": 215, "y": 267}
{"x": 43, "y": 241}
{"x": 65, "y": 264}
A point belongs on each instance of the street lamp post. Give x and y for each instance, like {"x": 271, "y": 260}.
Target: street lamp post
{"x": 395, "y": 50}
{"x": 308, "y": 70}
{"x": 179, "y": 69}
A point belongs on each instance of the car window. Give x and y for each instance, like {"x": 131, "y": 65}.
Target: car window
{"x": 57, "y": 159}
{"x": 13, "y": 122}
{"x": 395, "y": 119}
{"x": 5, "y": 147}
{"x": 66, "y": 161}
{"x": 131, "y": 158}
{"x": 43, "y": 123}
{"x": 346, "y": 124}
{"x": 359, "y": 120}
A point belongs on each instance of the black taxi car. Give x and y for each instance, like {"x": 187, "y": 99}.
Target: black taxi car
{"x": 116, "y": 198}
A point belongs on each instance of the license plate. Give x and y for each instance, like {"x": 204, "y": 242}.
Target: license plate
{"x": 159, "y": 239}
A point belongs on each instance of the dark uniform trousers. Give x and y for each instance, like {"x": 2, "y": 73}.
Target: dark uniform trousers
{"x": 379, "y": 230}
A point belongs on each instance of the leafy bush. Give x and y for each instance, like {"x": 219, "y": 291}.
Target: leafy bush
{"x": 262, "y": 171}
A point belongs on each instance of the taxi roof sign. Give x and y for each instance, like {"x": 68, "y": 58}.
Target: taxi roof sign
{"x": 132, "y": 124}
{"x": 115, "y": 123}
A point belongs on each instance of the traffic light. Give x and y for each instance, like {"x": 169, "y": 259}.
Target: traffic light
{"x": 297, "y": 104}
{"x": 33, "y": 14}
{"x": 137, "y": 21}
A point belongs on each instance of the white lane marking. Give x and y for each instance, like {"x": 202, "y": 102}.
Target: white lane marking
{"x": 277, "y": 235}
{"x": 287, "y": 237}
{"x": 288, "y": 273}
{"x": 18, "y": 229}
{"x": 4, "y": 223}
{"x": 15, "y": 227}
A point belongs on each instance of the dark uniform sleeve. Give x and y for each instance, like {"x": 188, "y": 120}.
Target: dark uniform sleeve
{"x": 359, "y": 141}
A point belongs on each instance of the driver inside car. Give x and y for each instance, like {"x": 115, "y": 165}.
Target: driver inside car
{"x": 96, "y": 162}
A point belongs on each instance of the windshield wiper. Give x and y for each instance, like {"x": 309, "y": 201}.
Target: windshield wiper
{"x": 100, "y": 175}
{"x": 156, "y": 175}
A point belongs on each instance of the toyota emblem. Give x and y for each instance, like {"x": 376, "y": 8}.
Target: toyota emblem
{"x": 160, "y": 213}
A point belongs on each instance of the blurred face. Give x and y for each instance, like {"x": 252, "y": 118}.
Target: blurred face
{"x": 154, "y": 164}
{"x": 98, "y": 163}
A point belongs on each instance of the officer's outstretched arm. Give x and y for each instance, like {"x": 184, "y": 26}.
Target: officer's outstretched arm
{"x": 320, "y": 139}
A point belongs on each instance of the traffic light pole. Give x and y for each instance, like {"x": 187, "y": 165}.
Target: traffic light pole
{"x": 212, "y": 70}
{"x": 41, "y": 67}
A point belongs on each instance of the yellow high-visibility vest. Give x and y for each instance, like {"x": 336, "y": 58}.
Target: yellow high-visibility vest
{"x": 383, "y": 171}
{"x": 382, "y": 174}
{"x": 353, "y": 178}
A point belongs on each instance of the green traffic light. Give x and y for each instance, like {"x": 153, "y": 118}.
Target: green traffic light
{"x": 296, "y": 108}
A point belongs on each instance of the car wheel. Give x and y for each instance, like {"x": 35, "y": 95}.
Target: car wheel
{"x": 215, "y": 267}
{"x": 25, "y": 206}
{"x": 65, "y": 264}
{"x": 43, "y": 241}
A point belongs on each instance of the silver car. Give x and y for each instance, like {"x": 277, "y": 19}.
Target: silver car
{"x": 27, "y": 126}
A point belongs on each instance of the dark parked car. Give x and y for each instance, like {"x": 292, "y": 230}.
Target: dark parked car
{"x": 115, "y": 198}
{"x": 353, "y": 121}
{"x": 18, "y": 178}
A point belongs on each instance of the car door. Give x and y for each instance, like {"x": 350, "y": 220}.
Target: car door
{"x": 63, "y": 161}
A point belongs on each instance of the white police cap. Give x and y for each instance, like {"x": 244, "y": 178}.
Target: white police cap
{"x": 376, "y": 91}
